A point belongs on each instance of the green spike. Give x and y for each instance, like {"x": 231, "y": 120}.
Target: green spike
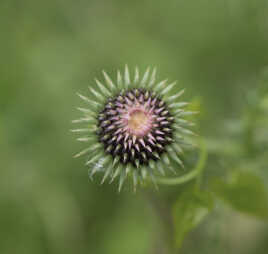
{"x": 171, "y": 118}
{"x": 127, "y": 78}
{"x": 160, "y": 84}
{"x": 177, "y": 111}
{"x": 156, "y": 155}
{"x": 160, "y": 146}
{"x": 128, "y": 169}
{"x": 168, "y": 130}
{"x": 166, "y": 159}
{"x": 122, "y": 180}
{"x": 87, "y": 139}
{"x": 82, "y": 152}
{"x": 87, "y": 111}
{"x": 137, "y": 163}
{"x": 152, "y": 164}
{"x": 94, "y": 159}
{"x": 103, "y": 89}
{"x": 145, "y": 77}
{"x": 84, "y": 98}
{"x": 174, "y": 156}
{"x": 178, "y": 136}
{"x": 116, "y": 160}
{"x": 135, "y": 180}
{"x": 144, "y": 173}
{"x": 144, "y": 156}
{"x": 184, "y": 122}
{"x": 176, "y": 126}
{"x": 120, "y": 98}
{"x": 174, "y": 97}
{"x": 119, "y": 80}
{"x": 168, "y": 88}
{"x": 153, "y": 94}
{"x": 165, "y": 112}
{"x": 96, "y": 94}
{"x": 89, "y": 149}
{"x": 108, "y": 172}
{"x": 132, "y": 152}
{"x": 91, "y": 102}
{"x": 185, "y": 143}
{"x": 136, "y": 78}
{"x": 93, "y": 128}
{"x": 116, "y": 173}
{"x": 109, "y": 149}
{"x": 125, "y": 156}
{"x": 177, "y": 148}
{"x": 83, "y": 120}
{"x": 109, "y": 82}
{"x": 113, "y": 139}
{"x": 180, "y": 121}
{"x": 161, "y": 103}
{"x": 101, "y": 115}
{"x": 160, "y": 168}
{"x": 110, "y": 104}
{"x": 117, "y": 148}
{"x": 169, "y": 139}
{"x": 152, "y": 79}
{"x": 92, "y": 172}
{"x": 152, "y": 177}
{"x": 169, "y": 149}
{"x": 137, "y": 92}
{"x": 188, "y": 113}
{"x": 95, "y": 104}
{"x": 177, "y": 159}
{"x": 131, "y": 96}
{"x": 178, "y": 104}
{"x": 105, "y": 137}
{"x": 105, "y": 123}
{"x": 146, "y": 95}
{"x": 106, "y": 159}
{"x": 184, "y": 131}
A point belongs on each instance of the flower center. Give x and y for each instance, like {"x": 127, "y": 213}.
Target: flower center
{"x": 135, "y": 126}
{"x": 139, "y": 122}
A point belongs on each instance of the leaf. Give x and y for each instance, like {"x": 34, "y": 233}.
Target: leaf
{"x": 245, "y": 192}
{"x": 264, "y": 103}
{"x": 188, "y": 211}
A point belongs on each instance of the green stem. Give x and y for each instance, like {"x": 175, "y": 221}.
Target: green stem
{"x": 192, "y": 174}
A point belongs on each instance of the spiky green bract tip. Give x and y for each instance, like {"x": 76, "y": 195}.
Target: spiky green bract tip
{"x": 133, "y": 128}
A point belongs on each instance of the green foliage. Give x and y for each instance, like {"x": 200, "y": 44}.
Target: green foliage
{"x": 244, "y": 192}
{"x": 52, "y": 49}
{"x": 189, "y": 210}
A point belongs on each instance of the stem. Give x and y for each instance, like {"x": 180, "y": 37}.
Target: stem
{"x": 192, "y": 174}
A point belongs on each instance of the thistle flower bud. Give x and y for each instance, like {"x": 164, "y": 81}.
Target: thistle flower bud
{"x": 134, "y": 128}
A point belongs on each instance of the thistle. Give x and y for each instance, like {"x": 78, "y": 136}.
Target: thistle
{"x": 133, "y": 128}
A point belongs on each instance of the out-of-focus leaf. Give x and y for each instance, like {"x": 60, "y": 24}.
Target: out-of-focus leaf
{"x": 224, "y": 147}
{"x": 245, "y": 192}
{"x": 264, "y": 103}
{"x": 189, "y": 210}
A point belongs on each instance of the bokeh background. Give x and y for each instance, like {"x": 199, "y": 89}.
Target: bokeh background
{"x": 49, "y": 50}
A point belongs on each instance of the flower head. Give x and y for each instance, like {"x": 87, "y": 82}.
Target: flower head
{"x": 133, "y": 128}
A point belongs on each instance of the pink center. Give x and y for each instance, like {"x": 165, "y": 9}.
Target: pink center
{"x": 137, "y": 120}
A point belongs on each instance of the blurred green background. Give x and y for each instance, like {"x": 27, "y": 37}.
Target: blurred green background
{"x": 216, "y": 49}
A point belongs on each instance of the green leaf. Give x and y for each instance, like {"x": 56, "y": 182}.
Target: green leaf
{"x": 245, "y": 192}
{"x": 264, "y": 103}
{"x": 188, "y": 211}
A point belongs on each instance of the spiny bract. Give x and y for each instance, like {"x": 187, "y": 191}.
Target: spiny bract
{"x": 133, "y": 128}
